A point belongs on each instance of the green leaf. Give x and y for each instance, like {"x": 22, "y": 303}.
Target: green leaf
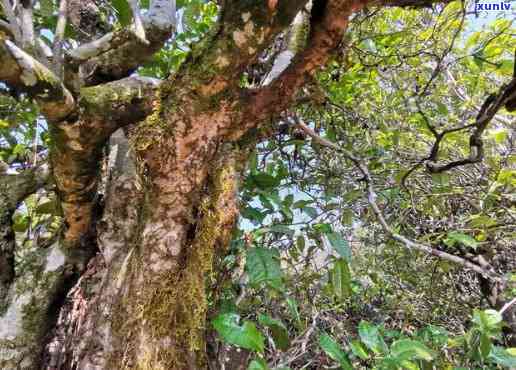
{"x": 485, "y": 345}
{"x": 409, "y": 365}
{"x": 347, "y": 217}
{"x": 300, "y": 243}
{"x": 487, "y": 320}
{"x": 503, "y": 356}
{"x": 294, "y": 311}
{"x": 371, "y": 337}
{"x": 310, "y": 211}
{"x": 340, "y": 279}
{"x": 301, "y": 203}
{"x": 258, "y": 364}
{"x": 358, "y": 350}
{"x": 334, "y": 351}
{"x": 323, "y": 228}
{"x": 21, "y": 223}
{"x": 46, "y": 8}
{"x": 481, "y": 221}
{"x": 278, "y": 330}
{"x": 456, "y": 237}
{"x": 245, "y": 336}
{"x": 263, "y": 267}
{"x": 441, "y": 179}
{"x": 407, "y": 349}
{"x": 265, "y": 181}
{"x": 123, "y": 11}
{"x": 340, "y": 245}
{"x": 281, "y": 229}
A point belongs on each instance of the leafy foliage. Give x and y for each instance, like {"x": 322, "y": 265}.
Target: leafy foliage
{"x": 350, "y": 296}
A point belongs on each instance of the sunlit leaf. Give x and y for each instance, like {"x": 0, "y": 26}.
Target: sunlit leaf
{"x": 263, "y": 267}
{"x": 334, "y": 351}
{"x": 245, "y": 335}
{"x": 371, "y": 337}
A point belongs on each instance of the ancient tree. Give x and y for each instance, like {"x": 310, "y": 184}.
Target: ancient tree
{"x": 146, "y": 172}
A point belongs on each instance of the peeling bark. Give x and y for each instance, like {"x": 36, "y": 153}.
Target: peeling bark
{"x": 78, "y": 146}
{"x": 142, "y": 303}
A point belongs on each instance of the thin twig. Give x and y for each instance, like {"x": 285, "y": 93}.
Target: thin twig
{"x": 439, "y": 66}
{"x": 488, "y": 110}
{"x": 371, "y": 198}
{"x": 506, "y": 306}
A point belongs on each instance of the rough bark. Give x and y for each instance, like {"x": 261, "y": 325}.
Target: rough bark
{"x": 141, "y": 305}
{"x": 78, "y": 144}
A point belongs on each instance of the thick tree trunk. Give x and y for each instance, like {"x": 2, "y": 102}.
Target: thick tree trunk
{"x": 142, "y": 303}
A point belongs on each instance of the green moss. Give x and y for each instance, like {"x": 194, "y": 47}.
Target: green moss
{"x": 98, "y": 99}
{"x": 173, "y": 304}
{"x": 154, "y": 126}
{"x": 299, "y": 35}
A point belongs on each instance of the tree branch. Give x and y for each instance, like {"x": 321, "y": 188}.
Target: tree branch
{"x": 371, "y": 198}
{"x": 329, "y": 20}
{"x": 488, "y": 110}
{"x": 328, "y": 23}
{"x": 22, "y": 72}
{"x": 244, "y": 30}
{"x": 57, "y": 45}
{"x": 117, "y": 54}
{"x": 76, "y": 156}
{"x": 27, "y": 24}
{"x": 14, "y": 26}
{"x": 139, "y": 29}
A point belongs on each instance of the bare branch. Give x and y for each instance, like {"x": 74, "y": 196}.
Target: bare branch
{"x": 507, "y": 306}
{"x": 57, "y": 46}
{"x": 139, "y": 29}
{"x": 27, "y": 24}
{"x": 371, "y": 198}
{"x": 488, "y": 110}
{"x": 21, "y": 71}
{"x": 14, "y": 26}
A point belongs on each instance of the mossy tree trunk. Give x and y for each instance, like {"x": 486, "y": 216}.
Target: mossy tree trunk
{"x": 141, "y": 304}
